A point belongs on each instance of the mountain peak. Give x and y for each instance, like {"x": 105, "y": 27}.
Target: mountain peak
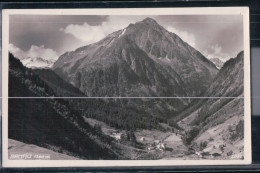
{"x": 146, "y": 49}
{"x": 149, "y": 20}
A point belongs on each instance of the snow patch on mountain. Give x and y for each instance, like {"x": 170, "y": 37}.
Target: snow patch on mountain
{"x": 217, "y": 61}
{"x": 111, "y": 42}
{"x": 37, "y": 62}
{"x": 35, "y": 57}
{"x": 122, "y": 33}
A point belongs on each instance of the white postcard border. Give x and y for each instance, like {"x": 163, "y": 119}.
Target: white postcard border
{"x": 127, "y": 11}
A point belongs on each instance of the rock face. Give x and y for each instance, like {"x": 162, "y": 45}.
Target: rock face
{"x": 144, "y": 59}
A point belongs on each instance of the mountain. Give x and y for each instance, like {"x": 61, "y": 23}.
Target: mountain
{"x": 228, "y": 83}
{"x": 230, "y": 80}
{"x": 117, "y": 113}
{"x": 50, "y": 123}
{"x": 142, "y": 60}
{"x": 37, "y": 62}
{"x": 218, "y": 62}
{"x": 219, "y": 121}
{"x": 113, "y": 113}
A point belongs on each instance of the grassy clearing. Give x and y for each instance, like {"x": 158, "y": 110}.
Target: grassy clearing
{"x": 16, "y": 148}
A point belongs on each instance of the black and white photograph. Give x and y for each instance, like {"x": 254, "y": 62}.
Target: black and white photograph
{"x": 126, "y": 87}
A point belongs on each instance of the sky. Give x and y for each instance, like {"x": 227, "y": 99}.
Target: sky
{"x": 49, "y": 36}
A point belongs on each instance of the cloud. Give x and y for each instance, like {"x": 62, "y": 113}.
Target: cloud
{"x": 90, "y": 34}
{"x": 216, "y": 48}
{"x": 17, "y": 52}
{"x": 33, "y": 52}
{"x": 215, "y": 51}
{"x": 187, "y": 37}
{"x": 85, "y": 32}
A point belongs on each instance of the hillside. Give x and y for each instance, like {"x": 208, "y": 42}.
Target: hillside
{"x": 16, "y": 148}
{"x": 228, "y": 83}
{"x": 117, "y": 113}
{"x": 219, "y": 121}
{"x": 58, "y": 85}
{"x": 50, "y": 123}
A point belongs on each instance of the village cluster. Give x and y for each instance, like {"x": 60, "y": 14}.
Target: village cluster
{"x": 148, "y": 145}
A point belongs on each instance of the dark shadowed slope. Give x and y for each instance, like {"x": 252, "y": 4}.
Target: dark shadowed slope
{"x": 50, "y": 123}
{"x": 59, "y": 86}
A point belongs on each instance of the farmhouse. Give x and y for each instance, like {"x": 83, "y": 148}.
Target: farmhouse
{"x": 142, "y": 139}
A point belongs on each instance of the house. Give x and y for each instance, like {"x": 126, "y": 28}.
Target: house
{"x": 150, "y": 148}
{"x": 142, "y": 139}
{"x": 160, "y": 146}
{"x": 199, "y": 154}
{"x": 117, "y": 136}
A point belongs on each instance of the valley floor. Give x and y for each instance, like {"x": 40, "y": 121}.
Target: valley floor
{"x": 150, "y": 145}
{"x": 155, "y": 144}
